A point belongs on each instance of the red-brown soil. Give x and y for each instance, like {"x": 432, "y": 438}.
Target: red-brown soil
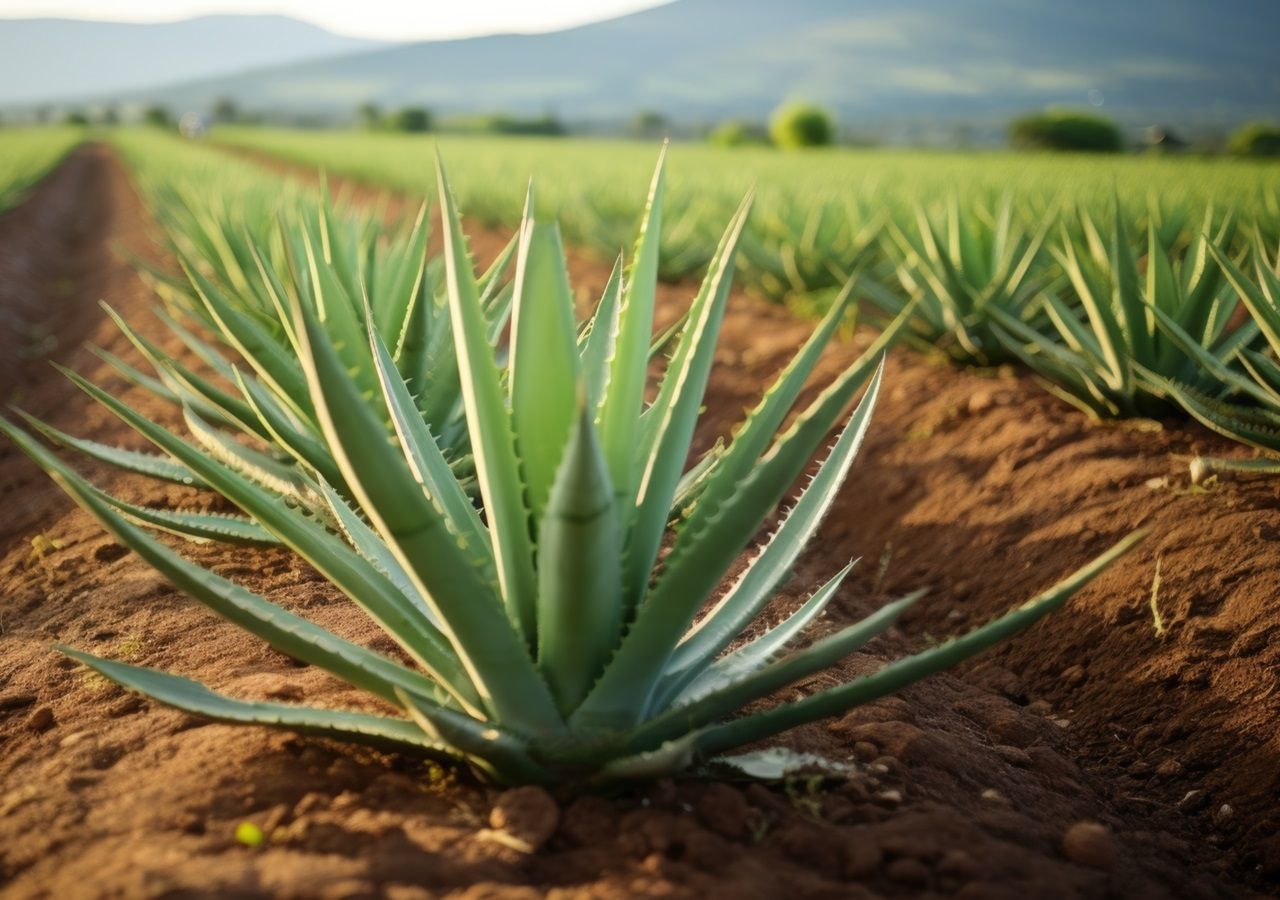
{"x": 973, "y": 784}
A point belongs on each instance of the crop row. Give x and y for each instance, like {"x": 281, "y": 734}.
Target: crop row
{"x": 1127, "y": 302}
{"x": 515, "y": 515}
{"x": 28, "y": 153}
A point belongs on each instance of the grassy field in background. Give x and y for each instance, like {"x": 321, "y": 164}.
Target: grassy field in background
{"x": 27, "y": 153}
{"x": 816, "y": 212}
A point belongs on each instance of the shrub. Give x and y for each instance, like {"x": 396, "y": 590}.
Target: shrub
{"x": 648, "y": 124}
{"x": 1065, "y": 130}
{"x": 157, "y": 116}
{"x": 411, "y": 118}
{"x": 1256, "y": 139}
{"x": 802, "y": 125}
{"x": 736, "y": 133}
{"x": 370, "y": 115}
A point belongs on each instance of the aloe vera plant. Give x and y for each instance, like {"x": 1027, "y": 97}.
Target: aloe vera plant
{"x": 1117, "y": 351}
{"x": 554, "y": 633}
{"x": 1254, "y": 416}
{"x": 251, "y": 405}
{"x": 960, "y": 272}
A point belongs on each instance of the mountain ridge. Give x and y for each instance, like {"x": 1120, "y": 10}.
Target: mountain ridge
{"x": 125, "y": 58}
{"x": 1179, "y": 62}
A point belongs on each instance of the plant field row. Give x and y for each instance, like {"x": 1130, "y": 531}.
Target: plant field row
{"x": 499, "y": 508}
{"x": 1126, "y": 303}
{"x": 28, "y": 153}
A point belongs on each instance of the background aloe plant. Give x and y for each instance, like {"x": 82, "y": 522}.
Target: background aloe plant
{"x": 960, "y": 270}
{"x": 551, "y": 638}
{"x": 1114, "y": 351}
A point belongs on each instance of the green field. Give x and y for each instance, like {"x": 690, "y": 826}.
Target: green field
{"x": 26, "y": 154}
{"x": 814, "y": 212}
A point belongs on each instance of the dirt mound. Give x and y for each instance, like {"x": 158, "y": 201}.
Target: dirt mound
{"x": 1054, "y": 768}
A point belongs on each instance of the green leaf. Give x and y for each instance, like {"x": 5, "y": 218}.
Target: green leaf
{"x": 699, "y": 559}
{"x": 199, "y": 527}
{"x": 600, "y": 342}
{"x": 152, "y": 465}
{"x": 499, "y": 753}
{"x": 624, "y": 393}
{"x": 902, "y": 672}
{"x": 758, "y": 683}
{"x": 402, "y": 620}
{"x": 759, "y": 652}
{"x": 427, "y": 462}
{"x": 448, "y": 577}
{"x": 544, "y": 359}
{"x": 489, "y": 424}
{"x": 190, "y": 696}
{"x": 675, "y": 412}
{"x": 771, "y": 567}
{"x": 283, "y": 630}
{"x": 579, "y": 576}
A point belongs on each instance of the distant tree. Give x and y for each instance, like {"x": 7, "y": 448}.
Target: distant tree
{"x": 1255, "y": 139}
{"x": 157, "y": 116}
{"x": 370, "y": 115}
{"x": 43, "y": 113}
{"x": 225, "y": 110}
{"x": 1065, "y": 130}
{"x": 75, "y": 117}
{"x": 802, "y": 125}
{"x": 545, "y": 125}
{"x": 109, "y": 116}
{"x": 411, "y": 118}
{"x": 648, "y": 123}
{"x": 737, "y": 133}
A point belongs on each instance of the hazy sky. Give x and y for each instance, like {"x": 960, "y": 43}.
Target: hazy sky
{"x": 387, "y": 19}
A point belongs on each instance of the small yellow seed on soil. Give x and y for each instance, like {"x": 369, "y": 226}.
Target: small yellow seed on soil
{"x": 249, "y": 834}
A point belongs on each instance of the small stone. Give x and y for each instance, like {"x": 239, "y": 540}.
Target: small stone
{"x": 883, "y": 765}
{"x": 1064, "y": 724}
{"x": 1073, "y": 675}
{"x": 856, "y": 790}
{"x": 1225, "y": 813}
{"x": 41, "y": 720}
{"x": 991, "y": 795}
{"x": 1014, "y": 756}
{"x": 528, "y": 814}
{"x": 980, "y": 402}
{"x": 1170, "y": 768}
{"x": 908, "y": 871}
{"x": 1193, "y": 801}
{"x": 10, "y": 702}
{"x": 109, "y": 552}
{"x": 1091, "y": 844}
{"x": 889, "y": 798}
{"x": 865, "y": 751}
{"x": 129, "y": 704}
{"x": 861, "y": 858}
{"x": 960, "y": 865}
{"x": 1040, "y": 707}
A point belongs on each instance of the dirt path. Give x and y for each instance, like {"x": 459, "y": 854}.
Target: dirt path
{"x": 981, "y": 487}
